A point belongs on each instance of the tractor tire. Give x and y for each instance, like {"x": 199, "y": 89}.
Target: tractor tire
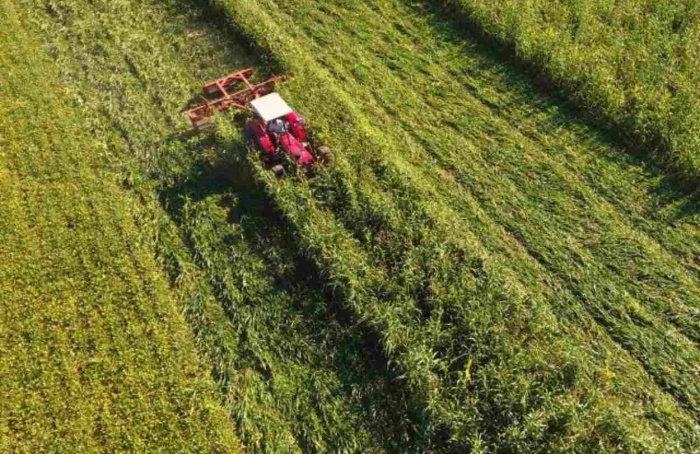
{"x": 324, "y": 154}
{"x": 249, "y": 137}
{"x": 279, "y": 171}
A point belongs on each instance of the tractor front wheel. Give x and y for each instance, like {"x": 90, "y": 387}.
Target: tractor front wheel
{"x": 249, "y": 136}
{"x": 324, "y": 154}
{"x": 279, "y": 171}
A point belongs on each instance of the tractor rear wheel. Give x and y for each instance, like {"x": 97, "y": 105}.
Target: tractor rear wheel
{"x": 249, "y": 136}
{"x": 279, "y": 171}
{"x": 324, "y": 153}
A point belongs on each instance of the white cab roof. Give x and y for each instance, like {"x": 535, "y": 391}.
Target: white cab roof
{"x": 270, "y": 107}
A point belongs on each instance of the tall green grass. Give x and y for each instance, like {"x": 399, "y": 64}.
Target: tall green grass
{"x": 96, "y": 356}
{"x": 429, "y": 254}
{"x": 633, "y": 65}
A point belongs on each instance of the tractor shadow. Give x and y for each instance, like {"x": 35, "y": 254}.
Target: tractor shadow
{"x": 352, "y": 350}
{"x": 452, "y": 25}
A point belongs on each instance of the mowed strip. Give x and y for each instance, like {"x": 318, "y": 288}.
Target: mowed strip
{"x": 96, "y": 356}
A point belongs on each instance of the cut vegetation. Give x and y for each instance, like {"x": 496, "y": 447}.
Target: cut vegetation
{"x": 478, "y": 270}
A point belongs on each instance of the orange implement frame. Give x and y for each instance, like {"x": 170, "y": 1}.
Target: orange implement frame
{"x": 232, "y": 91}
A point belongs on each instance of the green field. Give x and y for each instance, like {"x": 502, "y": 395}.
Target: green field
{"x": 480, "y": 269}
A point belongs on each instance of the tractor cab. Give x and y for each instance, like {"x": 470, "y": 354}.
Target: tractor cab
{"x": 275, "y": 129}
{"x": 276, "y": 123}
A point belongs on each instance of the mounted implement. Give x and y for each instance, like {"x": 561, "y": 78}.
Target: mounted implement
{"x": 274, "y": 129}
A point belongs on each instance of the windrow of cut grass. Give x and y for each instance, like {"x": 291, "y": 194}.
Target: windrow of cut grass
{"x": 421, "y": 250}
{"x": 633, "y": 65}
{"x": 96, "y": 356}
{"x": 296, "y": 374}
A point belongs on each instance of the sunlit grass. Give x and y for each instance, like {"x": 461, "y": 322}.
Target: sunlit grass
{"x": 96, "y": 356}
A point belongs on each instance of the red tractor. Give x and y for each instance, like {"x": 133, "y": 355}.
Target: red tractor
{"x": 275, "y": 129}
